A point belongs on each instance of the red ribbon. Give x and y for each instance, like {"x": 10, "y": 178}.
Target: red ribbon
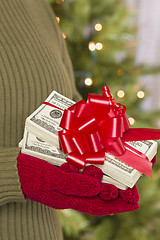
{"x": 93, "y": 128}
{"x": 98, "y": 126}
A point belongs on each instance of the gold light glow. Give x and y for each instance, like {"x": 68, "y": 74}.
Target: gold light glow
{"x": 98, "y": 27}
{"x": 140, "y": 94}
{"x": 64, "y": 35}
{"x": 131, "y": 120}
{"x": 99, "y": 46}
{"x": 88, "y": 81}
{"x": 59, "y": 1}
{"x": 92, "y": 46}
{"x": 120, "y": 72}
{"x": 120, "y": 93}
{"x": 58, "y": 19}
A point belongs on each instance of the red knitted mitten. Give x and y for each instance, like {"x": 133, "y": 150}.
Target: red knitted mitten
{"x": 38, "y": 176}
{"x": 64, "y": 187}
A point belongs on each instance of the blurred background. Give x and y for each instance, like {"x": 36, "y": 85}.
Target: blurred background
{"x": 116, "y": 43}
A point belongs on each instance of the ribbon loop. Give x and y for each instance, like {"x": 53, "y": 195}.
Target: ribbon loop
{"x": 111, "y": 128}
{"x": 76, "y": 160}
{"x": 65, "y": 142}
{"x": 82, "y": 109}
{"x": 115, "y": 147}
{"x": 96, "y": 158}
{"x": 79, "y": 144}
{"x": 94, "y": 142}
{"x": 99, "y": 105}
{"x": 66, "y": 121}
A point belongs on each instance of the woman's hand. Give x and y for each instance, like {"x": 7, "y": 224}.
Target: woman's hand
{"x": 65, "y": 187}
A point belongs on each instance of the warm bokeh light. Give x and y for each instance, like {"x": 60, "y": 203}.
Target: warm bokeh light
{"x": 92, "y": 46}
{"x": 131, "y": 120}
{"x": 140, "y": 94}
{"x": 120, "y": 72}
{"x": 99, "y": 46}
{"x": 64, "y": 35}
{"x": 98, "y": 27}
{"x": 59, "y": 1}
{"x": 58, "y": 19}
{"x": 88, "y": 81}
{"x": 120, "y": 93}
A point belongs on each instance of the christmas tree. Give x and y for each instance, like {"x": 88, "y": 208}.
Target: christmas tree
{"x": 101, "y": 40}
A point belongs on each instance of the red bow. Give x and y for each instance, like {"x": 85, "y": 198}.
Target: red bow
{"x": 99, "y": 126}
{"x": 93, "y": 128}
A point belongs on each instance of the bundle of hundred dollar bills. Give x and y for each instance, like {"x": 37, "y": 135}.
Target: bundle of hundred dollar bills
{"x": 41, "y": 140}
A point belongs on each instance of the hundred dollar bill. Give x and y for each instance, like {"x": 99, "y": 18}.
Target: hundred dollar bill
{"x": 107, "y": 179}
{"x": 44, "y": 124}
{"x": 44, "y": 121}
{"x": 121, "y": 171}
{"x": 37, "y": 147}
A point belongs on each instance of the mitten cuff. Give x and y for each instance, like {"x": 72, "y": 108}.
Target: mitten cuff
{"x": 32, "y": 172}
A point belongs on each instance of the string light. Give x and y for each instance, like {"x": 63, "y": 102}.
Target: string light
{"x": 58, "y": 19}
{"x": 88, "y": 81}
{"x": 64, "y": 35}
{"x": 92, "y": 46}
{"x": 120, "y": 93}
{"x": 131, "y": 120}
{"x": 99, "y": 46}
{"x": 98, "y": 27}
{"x": 140, "y": 94}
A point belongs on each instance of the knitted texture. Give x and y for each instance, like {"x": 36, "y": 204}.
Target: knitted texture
{"x": 108, "y": 192}
{"x": 34, "y": 62}
{"x": 129, "y": 195}
{"x": 93, "y": 171}
{"x": 37, "y": 176}
{"x": 62, "y": 189}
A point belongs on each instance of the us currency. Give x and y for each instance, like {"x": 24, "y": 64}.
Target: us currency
{"x": 44, "y": 124}
{"x": 123, "y": 173}
{"x": 119, "y": 185}
{"x": 44, "y": 121}
{"x": 37, "y": 147}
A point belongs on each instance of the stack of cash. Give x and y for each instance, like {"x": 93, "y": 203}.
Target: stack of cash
{"x": 39, "y": 148}
{"x": 44, "y": 121}
{"x": 41, "y": 140}
{"x": 121, "y": 171}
